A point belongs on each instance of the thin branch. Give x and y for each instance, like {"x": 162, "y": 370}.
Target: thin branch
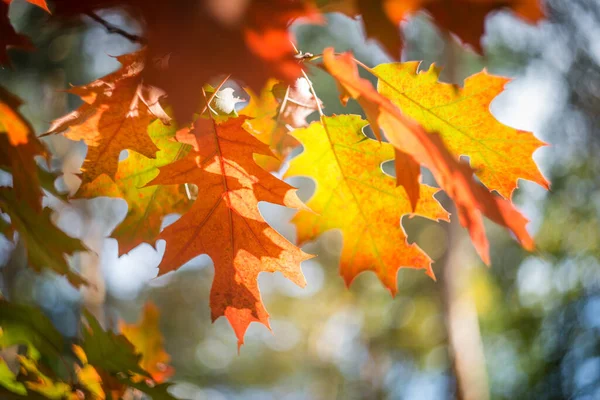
{"x": 213, "y": 95}
{"x": 312, "y": 91}
{"x": 110, "y": 28}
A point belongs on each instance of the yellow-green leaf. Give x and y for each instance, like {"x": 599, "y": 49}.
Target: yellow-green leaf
{"x": 499, "y": 154}
{"x": 355, "y": 196}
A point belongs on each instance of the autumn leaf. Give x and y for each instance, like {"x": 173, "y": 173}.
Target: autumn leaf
{"x": 47, "y": 246}
{"x": 147, "y": 206}
{"x": 8, "y": 380}
{"x": 463, "y": 18}
{"x": 225, "y": 223}
{"x": 18, "y": 148}
{"x": 253, "y": 44}
{"x": 354, "y": 195}
{"x": 499, "y": 154}
{"x": 466, "y": 18}
{"x": 87, "y": 376}
{"x": 472, "y": 199}
{"x": 106, "y": 350}
{"x": 148, "y": 342}
{"x": 115, "y": 115}
{"x": 188, "y": 47}
{"x": 41, "y": 383}
{"x": 274, "y": 113}
{"x": 27, "y": 325}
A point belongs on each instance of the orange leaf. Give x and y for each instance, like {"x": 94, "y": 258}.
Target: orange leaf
{"x": 250, "y": 41}
{"x": 116, "y": 112}
{"x": 464, "y": 18}
{"x": 147, "y": 206}
{"x": 456, "y": 178}
{"x": 148, "y": 341}
{"x": 354, "y": 195}
{"x": 408, "y": 175}
{"x": 225, "y": 223}
{"x": 18, "y": 148}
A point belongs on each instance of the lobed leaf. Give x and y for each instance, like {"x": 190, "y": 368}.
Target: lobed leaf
{"x": 225, "y": 223}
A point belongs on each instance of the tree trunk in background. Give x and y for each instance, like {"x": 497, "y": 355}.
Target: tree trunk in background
{"x": 465, "y": 346}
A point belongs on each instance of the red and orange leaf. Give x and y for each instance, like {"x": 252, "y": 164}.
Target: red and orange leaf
{"x": 149, "y": 342}
{"x": 408, "y": 175}
{"x": 147, "y": 206}
{"x": 115, "y": 115}
{"x": 472, "y": 199}
{"x": 225, "y": 223}
{"x": 18, "y": 148}
{"x": 253, "y": 44}
{"x": 466, "y": 18}
{"x": 355, "y": 196}
{"x": 499, "y": 154}
{"x": 463, "y": 18}
{"x": 278, "y": 110}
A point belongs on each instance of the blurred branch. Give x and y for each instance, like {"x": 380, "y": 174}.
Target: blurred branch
{"x": 464, "y": 335}
{"x": 110, "y": 28}
{"x": 465, "y": 345}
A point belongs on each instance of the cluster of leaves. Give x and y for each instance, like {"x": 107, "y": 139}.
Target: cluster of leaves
{"x": 226, "y": 158}
{"x": 100, "y": 365}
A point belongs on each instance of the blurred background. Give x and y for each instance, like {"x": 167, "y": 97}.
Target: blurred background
{"x": 526, "y": 328}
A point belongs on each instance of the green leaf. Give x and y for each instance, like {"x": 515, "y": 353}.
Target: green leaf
{"x": 111, "y": 352}
{"x": 46, "y": 244}
{"x": 9, "y": 380}
{"x": 27, "y": 325}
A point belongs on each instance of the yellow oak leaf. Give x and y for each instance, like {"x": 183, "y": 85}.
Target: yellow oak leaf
{"x": 354, "y": 195}
{"x": 499, "y": 154}
{"x": 473, "y": 200}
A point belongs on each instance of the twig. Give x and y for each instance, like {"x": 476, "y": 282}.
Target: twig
{"x": 312, "y": 91}
{"x": 110, "y": 28}
{"x": 213, "y": 95}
